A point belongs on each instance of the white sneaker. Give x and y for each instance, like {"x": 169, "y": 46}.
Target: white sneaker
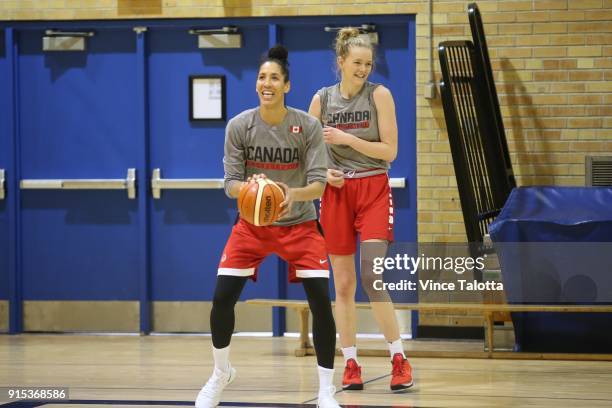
{"x": 210, "y": 395}
{"x": 326, "y": 398}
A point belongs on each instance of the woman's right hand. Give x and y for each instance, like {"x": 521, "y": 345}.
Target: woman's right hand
{"x": 335, "y": 178}
{"x": 249, "y": 180}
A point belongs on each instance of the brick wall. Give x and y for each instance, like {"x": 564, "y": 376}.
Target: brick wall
{"x": 553, "y": 69}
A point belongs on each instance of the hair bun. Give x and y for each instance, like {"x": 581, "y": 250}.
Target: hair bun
{"x": 278, "y": 52}
{"x": 348, "y": 37}
{"x": 347, "y": 33}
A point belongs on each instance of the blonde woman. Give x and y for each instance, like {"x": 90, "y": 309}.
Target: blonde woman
{"x": 360, "y": 131}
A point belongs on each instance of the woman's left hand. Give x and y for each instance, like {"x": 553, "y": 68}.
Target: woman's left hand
{"x": 334, "y": 136}
{"x": 288, "y": 202}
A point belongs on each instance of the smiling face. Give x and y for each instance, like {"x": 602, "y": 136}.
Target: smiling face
{"x": 271, "y": 85}
{"x": 356, "y": 66}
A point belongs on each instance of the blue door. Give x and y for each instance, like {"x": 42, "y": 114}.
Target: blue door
{"x": 189, "y": 228}
{"x": 5, "y": 171}
{"x": 77, "y": 120}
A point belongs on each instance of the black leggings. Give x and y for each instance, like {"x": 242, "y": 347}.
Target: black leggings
{"x": 227, "y": 293}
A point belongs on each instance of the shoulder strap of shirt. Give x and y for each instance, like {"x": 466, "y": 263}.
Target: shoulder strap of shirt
{"x": 372, "y": 87}
{"x": 323, "y": 97}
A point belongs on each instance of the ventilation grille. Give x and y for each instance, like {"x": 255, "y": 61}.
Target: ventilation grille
{"x": 598, "y": 171}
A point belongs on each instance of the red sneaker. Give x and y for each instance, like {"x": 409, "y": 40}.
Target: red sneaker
{"x": 401, "y": 373}
{"x": 352, "y": 376}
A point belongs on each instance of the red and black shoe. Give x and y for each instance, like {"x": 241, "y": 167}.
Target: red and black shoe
{"x": 352, "y": 376}
{"x": 401, "y": 373}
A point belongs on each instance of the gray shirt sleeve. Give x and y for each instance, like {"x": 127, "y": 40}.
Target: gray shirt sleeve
{"x": 234, "y": 156}
{"x": 315, "y": 157}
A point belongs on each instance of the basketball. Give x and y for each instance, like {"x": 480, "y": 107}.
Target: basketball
{"x": 259, "y": 202}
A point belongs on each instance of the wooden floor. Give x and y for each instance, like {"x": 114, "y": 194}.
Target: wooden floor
{"x": 169, "y": 370}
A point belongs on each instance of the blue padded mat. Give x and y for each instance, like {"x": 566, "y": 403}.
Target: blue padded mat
{"x": 555, "y": 247}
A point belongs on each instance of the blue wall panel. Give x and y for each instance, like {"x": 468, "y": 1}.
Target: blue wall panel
{"x": 77, "y": 120}
{"x": 5, "y": 159}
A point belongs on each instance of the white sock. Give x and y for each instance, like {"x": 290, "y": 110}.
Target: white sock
{"x": 396, "y": 347}
{"x": 326, "y": 378}
{"x": 348, "y": 353}
{"x": 221, "y": 357}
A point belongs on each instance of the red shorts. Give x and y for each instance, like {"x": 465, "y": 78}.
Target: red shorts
{"x": 301, "y": 245}
{"x": 362, "y": 205}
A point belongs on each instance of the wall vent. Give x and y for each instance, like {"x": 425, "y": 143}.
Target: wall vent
{"x": 598, "y": 172}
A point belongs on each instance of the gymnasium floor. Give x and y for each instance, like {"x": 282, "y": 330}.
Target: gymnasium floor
{"x": 164, "y": 371}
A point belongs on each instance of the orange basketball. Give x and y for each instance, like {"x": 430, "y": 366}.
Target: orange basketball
{"x": 259, "y": 202}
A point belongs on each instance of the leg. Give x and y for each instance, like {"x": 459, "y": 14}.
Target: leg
{"x": 324, "y": 337}
{"x": 303, "y": 247}
{"x": 345, "y": 282}
{"x": 384, "y": 313}
{"x": 222, "y": 319}
{"x": 382, "y": 306}
{"x": 374, "y": 222}
{"x": 337, "y": 219}
{"x": 242, "y": 255}
{"x": 323, "y": 326}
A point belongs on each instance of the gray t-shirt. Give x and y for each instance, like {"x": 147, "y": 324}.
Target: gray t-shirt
{"x": 292, "y": 152}
{"x": 356, "y": 116}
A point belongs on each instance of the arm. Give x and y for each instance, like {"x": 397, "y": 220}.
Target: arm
{"x": 315, "y": 168}
{"x": 315, "y": 164}
{"x": 311, "y": 192}
{"x": 386, "y": 149}
{"x": 315, "y": 107}
{"x": 335, "y": 178}
{"x": 233, "y": 161}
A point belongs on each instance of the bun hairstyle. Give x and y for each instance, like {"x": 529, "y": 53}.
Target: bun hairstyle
{"x": 278, "y": 54}
{"x": 349, "y": 37}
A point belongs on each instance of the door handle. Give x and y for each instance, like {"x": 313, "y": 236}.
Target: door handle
{"x": 2, "y": 194}
{"x": 158, "y": 184}
{"x": 129, "y": 184}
